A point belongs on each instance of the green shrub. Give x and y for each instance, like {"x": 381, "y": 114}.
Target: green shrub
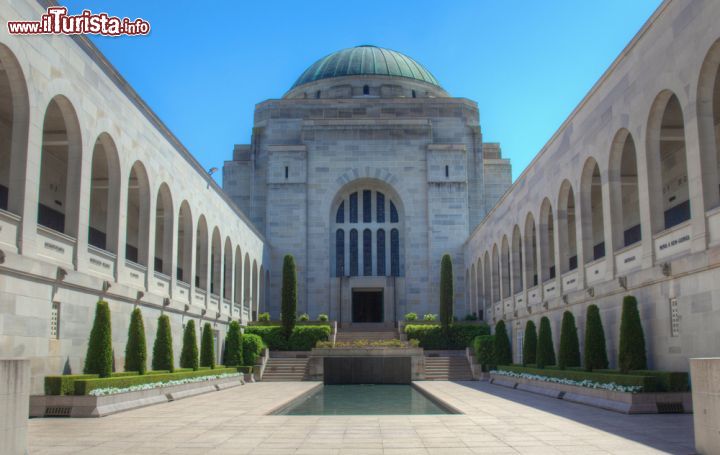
{"x": 304, "y": 317}
{"x": 545, "y": 350}
{"x": 304, "y": 338}
{"x": 85, "y": 386}
{"x": 272, "y": 336}
{"x": 569, "y": 353}
{"x": 99, "y": 357}
{"x": 252, "y": 346}
{"x": 503, "y": 350}
{"x": 163, "y": 348}
{"x": 411, "y": 317}
{"x": 136, "y": 348}
{"x": 471, "y": 317}
{"x": 631, "y": 355}
{"x": 233, "y": 355}
{"x": 446, "y": 293}
{"x": 322, "y": 317}
{"x": 430, "y": 317}
{"x": 119, "y": 374}
{"x": 207, "y": 347}
{"x": 529, "y": 348}
{"x": 264, "y": 317}
{"x": 64, "y": 384}
{"x": 595, "y": 351}
{"x": 189, "y": 354}
{"x": 667, "y": 381}
{"x": 289, "y": 295}
{"x": 648, "y": 383}
{"x": 459, "y": 336}
{"x": 484, "y": 347}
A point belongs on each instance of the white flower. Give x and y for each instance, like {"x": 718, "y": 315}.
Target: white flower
{"x": 154, "y": 385}
{"x": 584, "y": 383}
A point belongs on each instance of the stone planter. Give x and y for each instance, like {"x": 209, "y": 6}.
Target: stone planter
{"x": 92, "y": 406}
{"x": 625, "y": 402}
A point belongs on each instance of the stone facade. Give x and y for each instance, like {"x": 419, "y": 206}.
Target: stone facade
{"x": 622, "y": 200}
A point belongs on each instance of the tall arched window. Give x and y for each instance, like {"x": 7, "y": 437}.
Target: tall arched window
{"x": 517, "y": 261}
{"x": 138, "y": 216}
{"x": 367, "y": 252}
{"x": 624, "y": 195}
{"x": 339, "y": 252}
{"x": 164, "y": 231}
{"x": 184, "y": 248}
{"x": 353, "y": 252}
{"x": 381, "y": 252}
{"x": 567, "y": 232}
{"x": 104, "y": 195}
{"x": 547, "y": 241}
{"x": 592, "y": 212}
{"x": 394, "y": 253}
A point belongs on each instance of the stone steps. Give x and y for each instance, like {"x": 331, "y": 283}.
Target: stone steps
{"x": 447, "y": 368}
{"x": 285, "y": 369}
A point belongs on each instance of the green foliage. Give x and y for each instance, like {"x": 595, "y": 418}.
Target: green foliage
{"x": 85, "y": 386}
{"x": 595, "y": 350}
{"x": 304, "y": 317}
{"x": 274, "y": 337}
{"x": 484, "y": 347}
{"x": 458, "y": 336}
{"x": 648, "y": 383}
{"x": 503, "y": 351}
{"x": 430, "y": 317}
{"x": 99, "y": 357}
{"x": 569, "y": 353}
{"x": 65, "y": 384}
{"x": 136, "y": 347}
{"x": 529, "y": 348}
{"x": 233, "y": 355}
{"x": 667, "y": 381}
{"x": 289, "y": 295}
{"x": 545, "y": 349}
{"x": 252, "y": 346}
{"x": 471, "y": 317}
{"x": 322, "y": 317}
{"x": 189, "y": 355}
{"x": 207, "y": 347}
{"x": 163, "y": 348}
{"x": 264, "y": 317}
{"x": 411, "y": 317}
{"x": 446, "y": 292}
{"x": 631, "y": 355}
{"x": 304, "y": 338}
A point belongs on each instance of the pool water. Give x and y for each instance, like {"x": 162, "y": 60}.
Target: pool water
{"x": 364, "y": 399}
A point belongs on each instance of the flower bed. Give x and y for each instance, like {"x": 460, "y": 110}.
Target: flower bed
{"x": 644, "y": 383}
{"x": 582, "y": 383}
{"x": 151, "y": 385}
{"x": 86, "y": 386}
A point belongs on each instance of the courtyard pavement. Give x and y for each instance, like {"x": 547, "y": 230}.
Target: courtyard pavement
{"x": 495, "y": 420}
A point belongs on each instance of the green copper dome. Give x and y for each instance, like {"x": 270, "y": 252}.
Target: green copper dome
{"x": 367, "y": 61}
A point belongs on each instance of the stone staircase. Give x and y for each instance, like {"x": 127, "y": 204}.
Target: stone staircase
{"x": 447, "y": 368}
{"x": 286, "y": 369}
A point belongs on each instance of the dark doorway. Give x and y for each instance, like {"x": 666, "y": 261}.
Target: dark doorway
{"x": 367, "y": 306}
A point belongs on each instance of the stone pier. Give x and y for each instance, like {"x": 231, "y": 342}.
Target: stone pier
{"x": 14, "y": 405}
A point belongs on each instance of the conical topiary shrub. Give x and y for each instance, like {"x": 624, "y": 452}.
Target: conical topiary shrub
{"x": 545, "y": 350}
{"x": 631, "y": 353}
{"x": 595, "y": 351}
{"x": 189, "y": 354}
{"x": 233, "y": 346}
{"x": 529, "y": 348}
{"x": 569, "y": 354}
{"x": 207, "y": 347}
{"x": 503, "y": 352}
{"x": 99, "y": 357}
{"x": 288, "y": 307}
{"x": 446, "y": 293}
{"x": 136, "y": 347}
{"x": 163, "y": 348}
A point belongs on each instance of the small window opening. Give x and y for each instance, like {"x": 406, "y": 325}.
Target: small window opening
{"x": 55, "y": 321}
{"x": 317, "y": 94}
{"x": 414, "y": 95}
{"x": 447, "y": 171}
{"x": 286, "y": 172}
{"x": 366, "y": 90}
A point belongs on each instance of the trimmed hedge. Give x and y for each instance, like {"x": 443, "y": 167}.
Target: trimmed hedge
{"x": 252, "y": 346}
{"x": 163, "y": 346}
{"x": 546, "y": 352}
{"x": 446, "y": 293}
{"x": 207, "y": 347}
{"x": 484, "y": 347}
{"x": 288, "y": 305}
{"x": 667, "y": 381}
{"x": 189, "y": 353}
{"x": 460, "y": 336}
{"x": 631, "y": 351}
{"x": 99, "y": 357}
{"x": 65, "y": 384}
{"x": 274, "y": 337}
{"x": 569, "y": 353}
{"x": 648, "y": 383}
{"x": 503, "y": 350}
{"x": 529, "y": 348}
{"x": 233, "y": 355}
{"x": 595, "y": 350}
{"x": 136, "y": 348}
{"x": 85, "y": 386}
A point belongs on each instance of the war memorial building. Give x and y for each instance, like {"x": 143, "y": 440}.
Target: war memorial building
{"x": 367, "y": 171}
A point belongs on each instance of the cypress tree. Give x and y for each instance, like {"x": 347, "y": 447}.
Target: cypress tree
{"x": 207, "y": 347}
{"x": 595, "y": 351}
{"x": 233, "y": 355}
{"x": 545, "y": 350}
{"x": 163, "y": 349}
{"x": 189, "y": 355}
{"x": 99, "y": 357}
{"x": 289, "y": 296}
{"x": 446, "y": 292}
{"x": 136, "y": 347}
{"x": 631, "y": 355}
{"x": 529, "y": 348}
{"x": 569, "y": 354}
{"x": 503, "y": 352}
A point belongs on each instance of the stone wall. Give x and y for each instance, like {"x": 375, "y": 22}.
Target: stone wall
{"x": 705, "y": 374}
{"x": 14, "y": 405}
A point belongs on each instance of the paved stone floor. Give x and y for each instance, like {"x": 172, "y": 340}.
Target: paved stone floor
{"x": 496, "y": 420}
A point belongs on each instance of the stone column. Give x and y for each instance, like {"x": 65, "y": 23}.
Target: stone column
{"x": 705, "y": 374}
{"x": 14, "y": 405}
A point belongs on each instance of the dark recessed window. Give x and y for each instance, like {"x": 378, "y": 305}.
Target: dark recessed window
{"x": 354, "y": 208}
{"x": 339, "y": 252}
{"x": 447, "y": 171}
{"x": 353, "y": 252}
{"x": 366, "y": 90}
{"x": 395, "y": 252}
{"x": 381, "y": 252}
{"x": 393, "y": 213}
{"x": 340, "y": 215}
{"x": 367, "y": 214}
{"x": 367, "y": 252}
{"x": 380, "y": 208}
{"x": 317, "y": 94}
{"x": 414, "y": 95}
{"x": 286, "y": 172}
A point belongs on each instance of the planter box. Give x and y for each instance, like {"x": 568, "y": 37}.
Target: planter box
{"x": 625, "y": 402}
{"x": 92, "y": 406}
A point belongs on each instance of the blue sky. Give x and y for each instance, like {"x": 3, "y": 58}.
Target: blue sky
{"x": 526, "y": 63}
